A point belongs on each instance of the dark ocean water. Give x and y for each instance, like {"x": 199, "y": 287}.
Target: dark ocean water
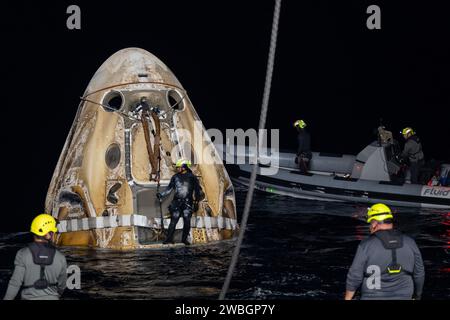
{"x": 293, "y": 249}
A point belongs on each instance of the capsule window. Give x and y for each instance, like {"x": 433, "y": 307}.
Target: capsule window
{"x": 112, "y": 196}
{"x": 112, "y": 156}
{"x": 113, "y": 101}
{"x": 175, "y": 100}
{"x": 70, "y": 197}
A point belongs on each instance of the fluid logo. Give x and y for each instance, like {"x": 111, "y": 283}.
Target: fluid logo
{"x": 437, "y": 192}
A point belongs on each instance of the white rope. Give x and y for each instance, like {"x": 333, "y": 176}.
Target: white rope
{"x": 262, "y": 124}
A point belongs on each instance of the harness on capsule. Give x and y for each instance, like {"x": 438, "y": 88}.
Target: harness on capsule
{"x": 43, "y": 255}
{"x": 392, "y": 240}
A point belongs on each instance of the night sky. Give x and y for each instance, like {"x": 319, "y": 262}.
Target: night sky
{"x": 330, "y": 70}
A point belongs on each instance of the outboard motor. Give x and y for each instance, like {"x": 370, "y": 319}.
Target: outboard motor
{"x": 377, "y": 161}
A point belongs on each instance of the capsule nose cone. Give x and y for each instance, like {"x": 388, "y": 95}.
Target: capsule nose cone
{"x": 131, "y": 65}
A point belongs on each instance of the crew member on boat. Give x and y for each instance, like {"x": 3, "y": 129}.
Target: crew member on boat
{"x": 304, "y": 154}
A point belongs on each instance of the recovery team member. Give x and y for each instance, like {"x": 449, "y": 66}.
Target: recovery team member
{"x": 412, "y": 152}
{"x": 304, "y": 154}
{"x": 387, "y": 265}
{"x": 185, "y": 184}
{"x": 40, "y": 269}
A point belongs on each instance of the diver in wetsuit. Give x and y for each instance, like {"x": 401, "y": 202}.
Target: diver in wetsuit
{"x": 388, "y": 265}
{"x": 40, "y": 269}
{"x": 412, "y": 152}
{"x": 185, "y": 184}
{"x": 304, "y": 154}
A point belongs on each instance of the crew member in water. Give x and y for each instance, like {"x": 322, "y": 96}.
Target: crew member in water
{"x": 40, "y": 269}
{"x": 388, "y": 265}
{"x": 412, "y": 152}
{"x": 304, "y": 154}
{"x": 186, "y": 185}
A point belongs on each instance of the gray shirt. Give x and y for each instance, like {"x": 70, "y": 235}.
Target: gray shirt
{"x": 413, "y": 149}
{"x": 26, "y": 273}
{"x": 370, "y": 253}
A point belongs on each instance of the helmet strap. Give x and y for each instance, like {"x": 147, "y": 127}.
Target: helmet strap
{"x": 43, "y": 238}
{"x": 40, "y": 238}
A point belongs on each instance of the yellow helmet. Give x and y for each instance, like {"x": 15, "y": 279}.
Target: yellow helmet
{"x": 183, "y": 162}
{"x": 379, "y": 212}
{"x": 43, "y": 224}
{"x": 300, "y": 124}
{"x": 407, "y": 130}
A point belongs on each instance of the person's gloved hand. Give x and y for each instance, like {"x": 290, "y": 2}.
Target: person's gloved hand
{"x": 159, "y": 195}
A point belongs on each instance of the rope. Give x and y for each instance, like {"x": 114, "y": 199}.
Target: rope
{"x": 108, "y": 107}
{"x": 133, "y": 82}
{"x": 153, "y": 153}
{"x": 123, "y": 113}
{"x": 262, "y": 124}
{"x": 157, "y": 191}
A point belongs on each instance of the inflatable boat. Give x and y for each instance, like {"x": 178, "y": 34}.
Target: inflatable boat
{"x": 369, "y": 177}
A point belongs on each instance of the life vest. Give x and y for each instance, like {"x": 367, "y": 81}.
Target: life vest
{"x": 392, "y": 240}
{"x": 43, "y": 255}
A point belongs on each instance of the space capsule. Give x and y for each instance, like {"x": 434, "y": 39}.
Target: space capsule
{"x": 133, "y": 123}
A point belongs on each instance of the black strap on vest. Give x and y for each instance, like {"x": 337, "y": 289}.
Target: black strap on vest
{"x": 43, "y": 255}
{"x": 392, "y": 240}
{"x": 394, "y": 267}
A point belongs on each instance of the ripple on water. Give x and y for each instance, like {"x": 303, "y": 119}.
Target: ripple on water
{"x": 293, "y": 249}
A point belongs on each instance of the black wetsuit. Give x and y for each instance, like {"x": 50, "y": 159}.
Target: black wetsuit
{"x": 186, "y": 185}
{"x": 370, "y": 267}
{"x": 304, "y": 154}
{"x": 412, "y": 152}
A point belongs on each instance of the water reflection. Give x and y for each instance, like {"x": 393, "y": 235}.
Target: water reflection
{"x": 293, "y": 249}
